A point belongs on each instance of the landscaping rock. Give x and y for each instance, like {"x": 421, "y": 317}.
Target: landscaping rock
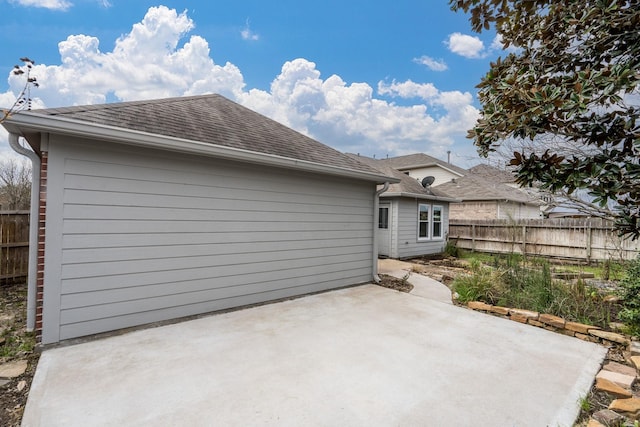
{"x": 535, "y": 323}
{"x": 594, "y": 423}
{"x": 616, "y": 326}
{"x": 612, "y": 388}
{"x": 634, "y": 348}
{"x": 627, "y": 407}
{"x": 524, "y": 313}
{"x": 619, "y": 368}
{"x": 608, "y": 417}
{"x": 13, "y": 369}
{"x": 579, "y": 327}
{"x": 499, "y": 310}
{"x": 551, "y": 320}
{"x": 4, "y": 382}
{"x": 478, "y": 305}
{"x": 585, "y": 337}
{"x": 21, "y": 385}
{"x": 609, "y": 336}
{"x": 518, "y": 318}
{"x": 611, "y": 299}
{"x": 636, "y": 362}
{"x": 622, "y": 380}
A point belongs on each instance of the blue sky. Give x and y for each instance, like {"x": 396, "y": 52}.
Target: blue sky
{"x": 377, "y": 78}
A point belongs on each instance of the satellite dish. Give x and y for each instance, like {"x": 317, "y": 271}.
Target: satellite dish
{"x": 427, "y": 181}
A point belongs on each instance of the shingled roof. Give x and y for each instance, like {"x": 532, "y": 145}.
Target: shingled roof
{"x": 474, "y": 187}
{"x": 408, "y": 186}
{"x": 209, "y": 119}
{"x": 412, "y": 161}
{"x": 492, "y": 173}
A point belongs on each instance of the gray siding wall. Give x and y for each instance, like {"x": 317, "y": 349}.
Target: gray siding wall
{"x": 408, "y": 243}
{"x": 136, "y": 236}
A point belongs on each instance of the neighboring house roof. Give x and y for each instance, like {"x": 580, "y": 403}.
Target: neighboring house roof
{"x": 408, "y": 186}
{"x": 493, "y": 173}
{"x": 421, "y": 160}
{"x": 205, "y": 124}
{"x": 472, "y": 187}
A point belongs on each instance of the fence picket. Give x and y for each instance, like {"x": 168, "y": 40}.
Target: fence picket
{"x": 14, "y": 245}
{"x": 587, "y": 239}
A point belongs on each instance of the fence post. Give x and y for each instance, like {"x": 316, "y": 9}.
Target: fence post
{"x": 589, "y": 237}
{"x": 524, "y": 241}
{"x": 473, "y": 237}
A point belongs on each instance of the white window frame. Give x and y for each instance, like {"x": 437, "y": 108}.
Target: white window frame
{"x": 433, "y": 222}
{"x": 428, "y": 221}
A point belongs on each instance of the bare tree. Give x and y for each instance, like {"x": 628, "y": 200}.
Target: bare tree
{"x": 23, "y": 100}
{"x": 579, "y": 200}
{"x": 15, "y": 185}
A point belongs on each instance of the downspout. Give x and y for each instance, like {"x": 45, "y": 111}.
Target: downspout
{"x": 376, "y": 218}
{"x": 33, "y": 228}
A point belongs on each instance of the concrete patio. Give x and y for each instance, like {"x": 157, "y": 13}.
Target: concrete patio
{"x": 361, "y": 356}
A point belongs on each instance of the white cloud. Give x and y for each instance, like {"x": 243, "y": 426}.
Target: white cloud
{"x": 158, "y": 58}
{"x": 408, "y": 89}
{"x": 465, "y": 45}
{"x": 350, "y": 118}
{"x": 432, "y": 64}
{"x": 148, "y": 62}
{"x": 247, "y": 34}
{"x": 46, "y": 4}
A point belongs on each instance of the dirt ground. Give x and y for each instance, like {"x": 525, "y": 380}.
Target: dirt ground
{"x": 17, "y": 344}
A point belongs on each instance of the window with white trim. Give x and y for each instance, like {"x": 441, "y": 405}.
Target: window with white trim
{"x": 436, "y": 219}
{"x": 424, "y": 213}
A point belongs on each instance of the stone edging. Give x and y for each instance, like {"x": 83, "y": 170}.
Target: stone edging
{"x": 553, "y": 323}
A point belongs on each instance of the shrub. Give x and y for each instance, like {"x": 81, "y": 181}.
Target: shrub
{"x": 483, "y": 284}
{"x": 451, "y": 249}
{"x": 630, "y": 293}
{"x": 512, "y": 284}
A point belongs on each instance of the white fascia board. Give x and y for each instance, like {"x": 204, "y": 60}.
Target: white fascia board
{"x": 27, "y": 121}
{"x": 428, "y": 165}
{"x": 422, "y": 197}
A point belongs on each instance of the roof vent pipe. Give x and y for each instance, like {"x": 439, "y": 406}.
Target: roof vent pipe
{"x": 33, "y": 228}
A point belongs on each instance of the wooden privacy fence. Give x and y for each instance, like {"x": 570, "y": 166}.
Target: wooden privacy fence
{"x": 591, "y": 239}
{"x": 14, "y": 245}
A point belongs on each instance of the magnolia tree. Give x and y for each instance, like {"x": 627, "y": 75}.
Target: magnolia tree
{"x": 574, "y": 77}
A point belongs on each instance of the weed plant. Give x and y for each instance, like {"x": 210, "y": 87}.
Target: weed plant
{"x": 510, "y": 281}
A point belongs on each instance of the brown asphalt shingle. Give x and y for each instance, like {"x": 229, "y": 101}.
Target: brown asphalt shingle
{"x": 211, "y": 119}
{"x": 474, "y": 187}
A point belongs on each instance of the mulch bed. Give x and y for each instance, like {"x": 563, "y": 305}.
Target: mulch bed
{"x": 394, "y": 283}
{"x": 13, "y": 395}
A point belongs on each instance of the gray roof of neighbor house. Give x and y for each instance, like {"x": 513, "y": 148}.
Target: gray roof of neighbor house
{"x": 418, "y": 160}
{"x": 205, "y": 124}
{"x": 474, "y": 187}
{"x": 408, "y": 186}
{"x": 493, "y": 173}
